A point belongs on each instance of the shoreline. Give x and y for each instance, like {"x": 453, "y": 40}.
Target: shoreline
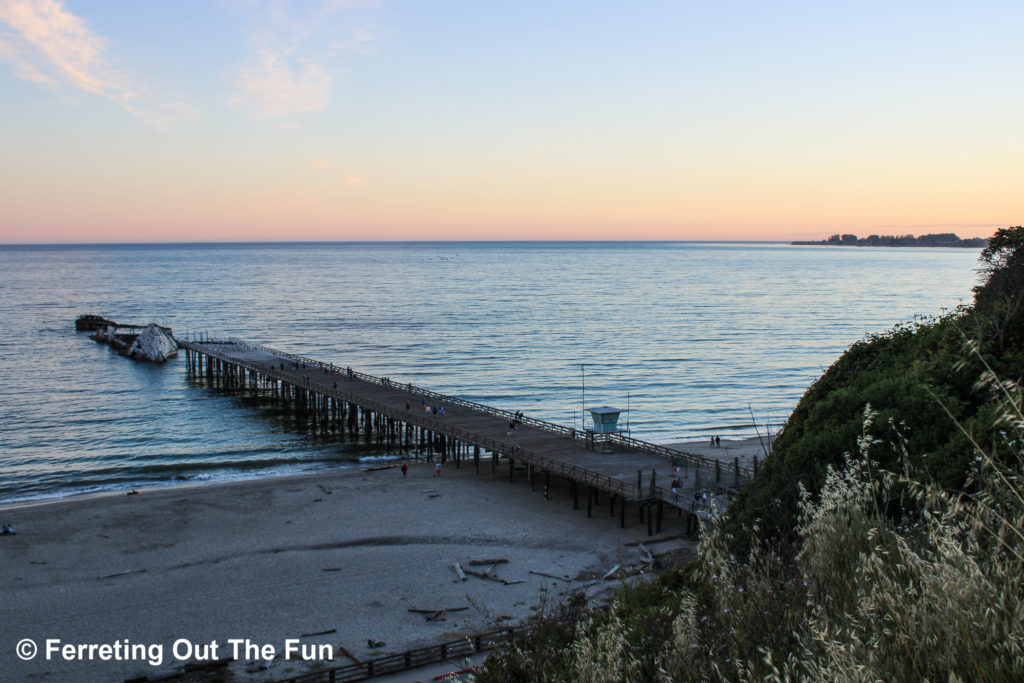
{"x": 345, "y": 550}
{"x": 170, "y": 486}
{"x": 122, "y": 489}
{"x": 746, "y": 447}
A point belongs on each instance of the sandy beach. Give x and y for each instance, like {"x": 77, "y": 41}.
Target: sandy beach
{"x": 268, "y": 560}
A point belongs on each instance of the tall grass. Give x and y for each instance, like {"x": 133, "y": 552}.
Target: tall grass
{"x": 895, "y": 579}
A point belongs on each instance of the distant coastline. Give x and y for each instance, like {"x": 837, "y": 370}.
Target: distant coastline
{"x": 946, "y": 239}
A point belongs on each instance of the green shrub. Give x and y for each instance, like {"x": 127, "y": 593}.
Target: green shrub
{"x": 937, "y": 595}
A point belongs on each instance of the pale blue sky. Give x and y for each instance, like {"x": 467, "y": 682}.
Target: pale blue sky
{"x": 396, "y": 119}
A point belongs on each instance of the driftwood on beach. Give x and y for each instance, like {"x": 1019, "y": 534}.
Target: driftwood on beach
{"x": 652, "y": 541}
{"x": 344, "y": 650}
{"x": 379, "y": 468}
{"x": 490, "y": 577}
{"x": 319, "y": 633}
{"x": 124, "y": 573}
{"x": 648, "y": 557}
{"x": 436, "y": 614}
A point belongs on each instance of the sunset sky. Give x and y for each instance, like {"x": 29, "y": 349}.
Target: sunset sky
{"x": 246, "y": 120}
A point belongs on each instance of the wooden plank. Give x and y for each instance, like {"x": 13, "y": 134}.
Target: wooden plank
{"x": 552, "y": 447}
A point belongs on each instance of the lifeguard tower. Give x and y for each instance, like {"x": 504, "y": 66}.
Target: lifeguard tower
{"x": 605, "y": 420}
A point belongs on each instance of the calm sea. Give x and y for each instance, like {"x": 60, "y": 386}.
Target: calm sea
{"x": 694, "y": 338}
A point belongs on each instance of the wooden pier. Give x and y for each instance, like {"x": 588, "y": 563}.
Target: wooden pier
{"x": 600, "y": 469}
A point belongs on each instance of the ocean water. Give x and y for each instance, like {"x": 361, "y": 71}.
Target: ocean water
{"x": 695, "y": 338}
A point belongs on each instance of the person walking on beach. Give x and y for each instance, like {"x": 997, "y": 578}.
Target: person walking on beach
{"x": 718, "y": 442}
{"x": 437, "y": 469}
{"x": 405, "y": 470}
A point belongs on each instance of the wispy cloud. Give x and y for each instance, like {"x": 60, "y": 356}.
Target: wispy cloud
{"x": 281, "y": 83}
{"x": 296, "y": 56}
{"x": 12, "y": 51}
{"x": 49, "y": 45}
{"x": 359, "y": 39}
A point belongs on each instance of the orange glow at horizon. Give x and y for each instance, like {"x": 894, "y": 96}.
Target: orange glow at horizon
{"x": 309, "y": 121}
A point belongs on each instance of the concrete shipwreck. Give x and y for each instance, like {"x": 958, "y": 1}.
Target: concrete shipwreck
{"x": 151, "y": 342}
{"x": 154, "y": 344}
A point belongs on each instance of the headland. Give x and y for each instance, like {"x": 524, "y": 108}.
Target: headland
{"x": 946, "y": 239}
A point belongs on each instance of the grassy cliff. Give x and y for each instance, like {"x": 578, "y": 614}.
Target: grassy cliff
{"x": 927, "y": 382}
{"x": 883, "y": 540}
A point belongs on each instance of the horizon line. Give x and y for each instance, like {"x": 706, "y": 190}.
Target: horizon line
{"x": 384, "y": 241}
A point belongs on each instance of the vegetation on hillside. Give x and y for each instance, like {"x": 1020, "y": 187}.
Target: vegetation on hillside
{"x": 883, "y": 540}
{"x": 922, "y": 378}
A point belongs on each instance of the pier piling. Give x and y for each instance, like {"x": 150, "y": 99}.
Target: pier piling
{"x": 377, "y": 411}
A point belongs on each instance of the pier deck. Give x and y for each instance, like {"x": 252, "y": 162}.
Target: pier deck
{"x": 627, "y": 469}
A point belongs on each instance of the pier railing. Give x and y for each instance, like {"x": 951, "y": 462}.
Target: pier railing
{"x": 671, "y": 454}
{"x": 411, "y": 659}
{"x": 602, "y": 481}
{"x": 576, "y": 434}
